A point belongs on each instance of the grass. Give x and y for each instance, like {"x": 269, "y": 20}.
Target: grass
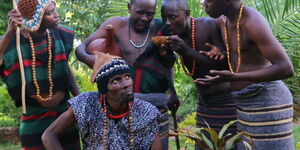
{"x": 172, "y": 144}
{"x": 10, "y": 146}
{"x": 296, "y": 134}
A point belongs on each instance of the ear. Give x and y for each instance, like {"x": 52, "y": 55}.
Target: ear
{"x": 187, "y": 13}
{"x": 129, "y": 7}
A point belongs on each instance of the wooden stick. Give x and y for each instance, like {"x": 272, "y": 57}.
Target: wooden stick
{"x": 175, "y": 129}
{"x": 20, "y": 63}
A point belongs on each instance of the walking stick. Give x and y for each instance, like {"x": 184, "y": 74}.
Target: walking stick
{"x": 20, "y": 62}
{"x": 175, "y": 129}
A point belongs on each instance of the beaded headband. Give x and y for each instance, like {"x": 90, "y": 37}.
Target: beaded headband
{"x": 111, "y": 69}
{"x": 32, "y": 12}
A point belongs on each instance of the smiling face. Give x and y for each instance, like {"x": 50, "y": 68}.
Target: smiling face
{"x": 120, "y": 88}
{"x": 174, "y": 18}
{"x": 141, "y": 13}
{"x": 215, "y": 8}
{"x": 51, "y": 17}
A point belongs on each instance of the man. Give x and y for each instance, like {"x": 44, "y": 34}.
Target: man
{"x": 150, "y": 70}
{"x": 110, "y": 118}
{"x": 189, "y": 36}
{"x": 257, "y": 62}
{"x": 45, "y": 48}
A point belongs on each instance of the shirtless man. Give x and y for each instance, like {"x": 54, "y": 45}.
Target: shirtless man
{"x": 214, "y": 100}
{"x": 257, "y": 62}
{"x": 47, "y": 80}
{"x": 132, "y": 35}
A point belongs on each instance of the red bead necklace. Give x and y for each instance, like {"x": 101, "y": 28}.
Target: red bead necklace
{"x": 113, "y": 116}
{"x": 194, "y": 47}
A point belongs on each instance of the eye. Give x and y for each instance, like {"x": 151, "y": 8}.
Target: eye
{"x": 114, "y": 81}
{"x": 140, "y": 12}
{"x": 127, "y": 77}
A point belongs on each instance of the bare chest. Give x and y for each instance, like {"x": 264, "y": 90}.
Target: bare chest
{"x": 132, "y": 45}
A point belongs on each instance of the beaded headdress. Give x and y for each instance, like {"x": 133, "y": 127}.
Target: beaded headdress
{"x": 32, "y": 12}
{"x": 113, "y": 68}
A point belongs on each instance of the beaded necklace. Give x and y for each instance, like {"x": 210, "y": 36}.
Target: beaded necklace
{"x": 33, "y": 66}
{"x": 194, "y": 47}
{"x": 238, "y": 40}
{"x": 132, "y": 43}
{"x": 106, "y": 125}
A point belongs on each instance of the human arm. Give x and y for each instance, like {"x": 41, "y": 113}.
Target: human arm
{"x": 178, "y": 45}
{"x": 57, "y": 128}
{"x": 157, "y": 144}
{"x": 81, "y": 50}
{"x": 216, "y": 47}
{"x": 73, "y": 85}
{"x": 258, "y": 31}
{"x": 173, "y": 100}
{"x": 14, "y": 19}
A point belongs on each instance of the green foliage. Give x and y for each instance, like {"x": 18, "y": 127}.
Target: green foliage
{"x": 86, "y": 16}
{"x": 83, "y": 81}
{"x": 9, "y": 114}
{"x": 189, "y": 120}
{"x": 10, "y": 146}
{"x": 186, "y": 90}
{"x": 214, "y": 141}
{"x": 6, "y": 5}
{"x": 296, "y": 135}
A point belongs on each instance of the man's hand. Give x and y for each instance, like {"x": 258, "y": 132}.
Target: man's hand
{"x": 177, "y": 44}
{"x": 220, "y": 76}
{"x": 14, "y": 19}
{"x": 213, "y": 53}
{"x": 173, "y": 103}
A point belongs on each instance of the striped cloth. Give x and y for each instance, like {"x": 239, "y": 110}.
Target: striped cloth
{"x": 38, "y": 118}
{"x": 265, "y": 112}
{"x": 216, "y": 111}
{"x": 36, "y": 121}
{"x": 62, "y": 44}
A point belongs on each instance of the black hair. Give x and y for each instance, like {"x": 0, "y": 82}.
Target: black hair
{"x": 133, "y": 1}
{"x": 181, "y": 4}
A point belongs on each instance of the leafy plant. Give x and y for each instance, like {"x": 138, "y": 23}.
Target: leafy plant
{"x": 214, "y": 140}
{"x": 9, "y": 114}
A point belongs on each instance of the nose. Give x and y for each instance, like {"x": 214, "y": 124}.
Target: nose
{"x": 144, "y": 17}
{"x": 127, "y": 83}
{"x": 56, "y": 14}
{"x": 168, "y": 23}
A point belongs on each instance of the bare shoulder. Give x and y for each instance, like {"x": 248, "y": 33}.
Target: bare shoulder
{"x": 253, "y": 20}
{"x": 117, "y": 22}
{"x": 220, "y": 21}
{"x": 207, "y": 22}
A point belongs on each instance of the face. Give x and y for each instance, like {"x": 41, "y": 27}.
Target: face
{"x": 214, "y": 8}
{"x": 141, "y": 14}
{"x": 120, "y": 88}
{"x": 174, "y": 18}
{"x": 51, "y": 17}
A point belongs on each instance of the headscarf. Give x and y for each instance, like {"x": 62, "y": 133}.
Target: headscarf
{"x": 32, "y": 12}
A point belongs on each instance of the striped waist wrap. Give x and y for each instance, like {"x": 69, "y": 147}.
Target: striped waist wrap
{"x": 36, "y": 121}
{"x": 265, "y": 112}
{"x": 216, "y": 111}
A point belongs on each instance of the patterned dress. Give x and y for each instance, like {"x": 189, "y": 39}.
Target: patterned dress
{"x": 89, "y": 117}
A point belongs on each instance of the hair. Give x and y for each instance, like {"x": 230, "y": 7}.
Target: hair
{"x": 181, "y": 4}
{"x": 133, "y": 1}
